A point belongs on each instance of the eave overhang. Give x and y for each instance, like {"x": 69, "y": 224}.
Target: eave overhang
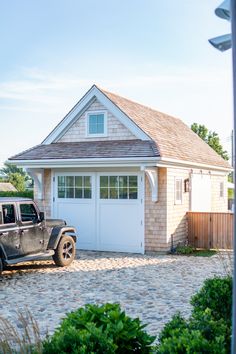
{"x": 116, "y": 162}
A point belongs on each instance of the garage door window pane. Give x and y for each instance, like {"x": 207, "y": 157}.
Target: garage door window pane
{"x": 103, "y": 181}
{"x": 114, "y": 181}
{"x": 119, "y": 187}
{"x": 87, "y": 193}
{"x": 61, "y": 181}
{"x": 78, "y": 193}
{"x": 70, "y": 192}
{"x": 104, "y": 193}
{"x": 123, "y": 193}
{"x": 123, "y": 181}
{"x": 133, "y": 193}
{"x": 133, "y": 181}
{"x": 61, "y": 193}
{"x": 78, "y": 181}
{"x": 70, "y": 181}
{"x": 87, "y": 182}
{"x": 74, "y": 187}
{"x": 113, "y": 193}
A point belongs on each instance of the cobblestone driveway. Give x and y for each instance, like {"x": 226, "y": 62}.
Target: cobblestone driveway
{"x": 151, "y": 287}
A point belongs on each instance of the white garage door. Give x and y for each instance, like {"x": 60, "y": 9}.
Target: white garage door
{"x": 200, "y": 192}
{"x": 106, "y": 209}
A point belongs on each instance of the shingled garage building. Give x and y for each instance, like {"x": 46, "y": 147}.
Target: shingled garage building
{"x": 124, "y": 174}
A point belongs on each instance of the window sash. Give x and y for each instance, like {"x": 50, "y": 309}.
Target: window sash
{"x": 96, "y": 123}
{"x": 178, "y": 191}
{"x": 119, "y": 187}
{"x": 74, "y": 187}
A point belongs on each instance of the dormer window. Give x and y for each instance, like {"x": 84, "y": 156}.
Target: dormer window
{"x": 96, "y": 124}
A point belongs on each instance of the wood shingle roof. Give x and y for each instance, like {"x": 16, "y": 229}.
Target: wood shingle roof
{"x": 174, "y": 139}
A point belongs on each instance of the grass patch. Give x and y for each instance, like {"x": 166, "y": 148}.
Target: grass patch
{"x": 204, "y": 253}
{"x": 190, "y": 251}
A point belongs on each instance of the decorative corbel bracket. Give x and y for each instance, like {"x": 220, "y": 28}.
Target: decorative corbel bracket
{"x": 38, "y": 177}
{"x": 152, "y": 174}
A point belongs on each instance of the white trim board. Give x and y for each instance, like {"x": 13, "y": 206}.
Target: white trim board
{"x": 81, "y": 107}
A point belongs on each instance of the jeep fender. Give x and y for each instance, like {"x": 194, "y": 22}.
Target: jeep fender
{"x": 57, "y": 233}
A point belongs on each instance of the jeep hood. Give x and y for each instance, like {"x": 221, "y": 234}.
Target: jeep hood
{"x": 55, "y": 222}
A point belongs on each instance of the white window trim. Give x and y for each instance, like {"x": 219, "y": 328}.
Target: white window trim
{"x": 178, "y": 201}
{"x": 87, "y": 124}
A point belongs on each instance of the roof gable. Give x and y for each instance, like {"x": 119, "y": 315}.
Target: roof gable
{"x": 93, "y": 94}
{"x": 115, "y": 130}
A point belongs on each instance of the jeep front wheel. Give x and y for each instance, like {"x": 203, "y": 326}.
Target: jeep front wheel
{"x": 65, "y": 252}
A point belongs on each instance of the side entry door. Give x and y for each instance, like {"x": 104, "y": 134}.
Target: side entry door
{"x": 31, "y": 229}
{"x": 9, "y": 231}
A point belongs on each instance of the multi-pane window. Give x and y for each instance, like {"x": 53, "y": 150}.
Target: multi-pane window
{"x": 74, "y": 187}
{"x": 96, "y": 124}
{"x": 118, "y": 187}
{"x": 178, "y": 191}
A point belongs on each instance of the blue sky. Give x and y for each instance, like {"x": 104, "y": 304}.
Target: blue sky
{"x": 152, "y": 51}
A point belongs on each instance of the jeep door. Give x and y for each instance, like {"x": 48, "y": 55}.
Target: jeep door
{"x": 9, "y": 231}
{"x": 31, "y": 229}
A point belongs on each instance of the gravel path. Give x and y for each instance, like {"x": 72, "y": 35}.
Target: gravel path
{"x": 150, "y": 287}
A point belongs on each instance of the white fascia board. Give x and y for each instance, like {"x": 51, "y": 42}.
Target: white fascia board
{"x": 167, "y": 162}
{"x": 92, "y": 162}
{"x": 82, "y": 105}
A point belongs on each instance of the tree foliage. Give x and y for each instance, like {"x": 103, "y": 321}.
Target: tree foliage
{"x": 9, "y": 169}
{"x": 16, "y": 176}
{"x": 18, "y": 181}
{"x": 211, "y": 138}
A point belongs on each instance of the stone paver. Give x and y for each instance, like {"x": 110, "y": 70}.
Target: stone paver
{"x": 150, "y": 287}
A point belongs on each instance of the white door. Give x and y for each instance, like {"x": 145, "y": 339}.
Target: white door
{"x": 120, "y": 212}
{"x": 106, "y": 209}
{"x": 75, "y": 202}
{"x": 200, "y": 192}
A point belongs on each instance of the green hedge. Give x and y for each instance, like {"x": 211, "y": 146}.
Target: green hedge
{"x": 25, "y": 194}
{"x": 99, "y": 329}
{"x": 208, "y": 330}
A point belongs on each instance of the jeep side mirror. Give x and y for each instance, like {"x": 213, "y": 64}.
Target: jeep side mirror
{"x": 41, "y": 216}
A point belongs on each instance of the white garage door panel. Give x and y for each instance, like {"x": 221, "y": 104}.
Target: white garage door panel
{"x": 120, "y": 227}
{"x": 201, "y": 192}
{"x": 102, "y": 223}
{"x": 82, "y": 216}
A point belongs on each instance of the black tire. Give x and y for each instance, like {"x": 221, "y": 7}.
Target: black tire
{"x": 65, "y": 252}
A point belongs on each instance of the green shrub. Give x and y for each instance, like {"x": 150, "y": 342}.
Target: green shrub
{"x": 208, "y": 330}
{"x": 25, "y": 194}
{"x": 189, "y": 342}
{"x": 94, "y": 329}
{"x": 184, "y": 249}
{"x": 216, "y": 294}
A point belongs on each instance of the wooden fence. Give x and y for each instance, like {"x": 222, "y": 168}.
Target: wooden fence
{"x": 210, "y": 230}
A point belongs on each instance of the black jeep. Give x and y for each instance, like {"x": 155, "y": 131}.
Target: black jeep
{"x": 25, "y": 235}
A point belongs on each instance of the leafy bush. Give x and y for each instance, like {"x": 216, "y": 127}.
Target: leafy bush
{"x": 25, "y": 194}
{"x": 94, "y": 329}
{"x": 216, "y": 294}
{"x": 208, "y": 329}
{"x": 184, "y": 249}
